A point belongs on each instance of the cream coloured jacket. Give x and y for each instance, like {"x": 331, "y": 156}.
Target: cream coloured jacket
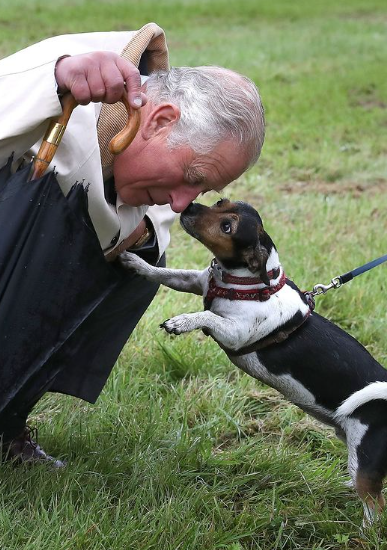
{"x": 28, "y": 98}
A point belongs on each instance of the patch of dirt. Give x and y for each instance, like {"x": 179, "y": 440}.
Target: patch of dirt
{"x": 371, "y": 104}
{"x": 355, "y": 189}
{"x": 368, "y": 16}
{"x": 367, "y": 97}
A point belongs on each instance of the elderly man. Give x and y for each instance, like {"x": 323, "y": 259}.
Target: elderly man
{"x": 201, "y": 128}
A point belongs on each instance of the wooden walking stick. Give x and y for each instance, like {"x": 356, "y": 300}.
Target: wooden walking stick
{"x": 57, "y": 126}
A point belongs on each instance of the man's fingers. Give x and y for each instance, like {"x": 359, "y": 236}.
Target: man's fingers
{"x": 113, "y": 82}
{"x": 80, "y": 90}
{"x": 71, "y": 74}
{"x": 132, "y": 79}
{"x": 96, "y": 84}
{"x": 144, "y": 98}
{"x": 99, "y": 76}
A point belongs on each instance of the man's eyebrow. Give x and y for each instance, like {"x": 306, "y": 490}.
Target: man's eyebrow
{"x": 193, "y": 175}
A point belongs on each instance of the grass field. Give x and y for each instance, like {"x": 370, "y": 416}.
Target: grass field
{"x": 182, "y": 451}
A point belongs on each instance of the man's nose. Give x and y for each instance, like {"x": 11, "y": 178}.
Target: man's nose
{"x": 181, "y": 198}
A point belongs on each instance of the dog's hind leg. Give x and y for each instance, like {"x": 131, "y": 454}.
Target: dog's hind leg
{"x": 369, "y": 488}
{"x": 368, "y": 466}
{"x": 372, "y": 460}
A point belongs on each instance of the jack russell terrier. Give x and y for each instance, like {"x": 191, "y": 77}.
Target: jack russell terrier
{"x": 267, "y": 328}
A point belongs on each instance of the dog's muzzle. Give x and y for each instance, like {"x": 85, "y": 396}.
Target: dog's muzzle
{"x": 189, "y": 216}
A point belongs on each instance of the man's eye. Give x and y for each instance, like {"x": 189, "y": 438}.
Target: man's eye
{"x": 226, "y": 227}
{"x": 197, "y": 182}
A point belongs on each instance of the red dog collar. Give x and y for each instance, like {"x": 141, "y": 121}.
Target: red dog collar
{"x": 256, "y": 294}
{"x": 233, "y": 279}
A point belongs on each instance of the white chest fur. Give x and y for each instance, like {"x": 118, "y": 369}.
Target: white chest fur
{"x": 255, "y": 320}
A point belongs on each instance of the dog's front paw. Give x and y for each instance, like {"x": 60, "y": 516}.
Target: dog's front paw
{"x": 133, "y": 262}
{"x": 178, "y": 325}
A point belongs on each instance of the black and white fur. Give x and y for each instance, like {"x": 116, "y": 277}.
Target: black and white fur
{"x": 319, "y": 367}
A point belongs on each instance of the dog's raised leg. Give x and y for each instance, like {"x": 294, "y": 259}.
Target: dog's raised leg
{"x": 227, "y": 332}
{"x": 184, "y": 280}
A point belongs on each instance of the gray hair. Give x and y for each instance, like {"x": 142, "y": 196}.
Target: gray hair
{"x": 216, "y": 105}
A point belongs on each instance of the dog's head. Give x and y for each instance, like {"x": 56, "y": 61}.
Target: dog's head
{"x": 234, "y": 233}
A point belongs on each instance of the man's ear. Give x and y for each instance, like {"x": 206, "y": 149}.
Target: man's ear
{"x": 256, "y": 258}
{"x": 160, "y": 118}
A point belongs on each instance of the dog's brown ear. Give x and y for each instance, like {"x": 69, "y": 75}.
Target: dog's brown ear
{"x": 256, "y": 258}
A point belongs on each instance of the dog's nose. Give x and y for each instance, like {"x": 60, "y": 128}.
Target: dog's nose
{"x": 193, "y": 210}
{"x": 191, "y": 207}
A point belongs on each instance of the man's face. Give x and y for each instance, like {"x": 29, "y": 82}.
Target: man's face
{"x": 149, "y": 172}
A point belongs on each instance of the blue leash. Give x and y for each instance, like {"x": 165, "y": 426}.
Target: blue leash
{"x": 362, "y": 269}
{"x": 337, "y": 282}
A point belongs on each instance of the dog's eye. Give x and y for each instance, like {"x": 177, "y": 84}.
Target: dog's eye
{"x": 226, "y": 227}
{"x": 219, "y": 203}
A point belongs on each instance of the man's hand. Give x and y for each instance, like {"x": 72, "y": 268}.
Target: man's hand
{"x": 99, "y": 76}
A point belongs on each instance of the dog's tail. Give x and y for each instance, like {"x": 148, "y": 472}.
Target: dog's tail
{"x": 375, "y": 390}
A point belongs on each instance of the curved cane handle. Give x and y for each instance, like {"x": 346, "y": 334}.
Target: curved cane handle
{"x": 57, "y": 126}
{"x": 124, "y": 138}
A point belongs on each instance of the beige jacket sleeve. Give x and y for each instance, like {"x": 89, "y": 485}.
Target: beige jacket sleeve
{"x": 28, "y": 99}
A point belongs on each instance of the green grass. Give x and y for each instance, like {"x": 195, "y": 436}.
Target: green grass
{"x": 182, "y": 451}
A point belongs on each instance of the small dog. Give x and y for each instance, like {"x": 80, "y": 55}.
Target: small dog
{"x": 267, "y": 327}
